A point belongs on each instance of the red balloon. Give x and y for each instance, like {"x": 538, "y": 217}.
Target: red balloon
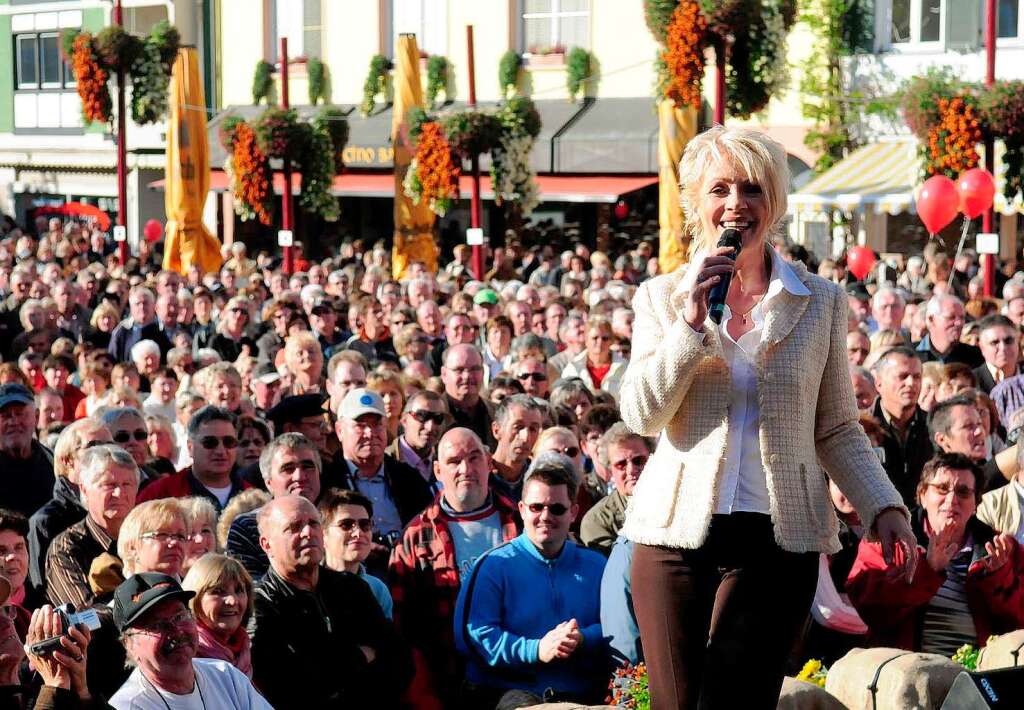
{"x": 153, "y": 230}
{"x": 859, "y": 261}
{"x": 938, "y": 203}
{"x": 977, "y": 190}
{"x": 621, "y": 209}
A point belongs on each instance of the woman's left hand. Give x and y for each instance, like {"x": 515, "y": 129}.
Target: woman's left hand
{"x": 999, "y": 550}
{"x": 894, "y": 532}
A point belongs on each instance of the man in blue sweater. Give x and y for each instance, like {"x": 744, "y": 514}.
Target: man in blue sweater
{"x": 528, "y": 616}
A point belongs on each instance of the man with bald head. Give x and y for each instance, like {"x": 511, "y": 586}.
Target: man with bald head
{"x": 463, "y": 375}
{"x": 426, "y": 586}
{"x": 309, "y": 620}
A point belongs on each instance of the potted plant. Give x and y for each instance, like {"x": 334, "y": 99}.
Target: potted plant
{"x": 553, "y": 56}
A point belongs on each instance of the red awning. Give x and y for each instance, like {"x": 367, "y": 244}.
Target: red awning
{"x": 553, "y": 188}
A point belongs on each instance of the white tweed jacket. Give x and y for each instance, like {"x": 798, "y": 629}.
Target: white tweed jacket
{"x": 677, "y": 387}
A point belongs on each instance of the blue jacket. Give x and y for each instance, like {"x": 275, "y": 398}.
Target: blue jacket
{"x": 618, "y": 619}
{"x": 512, "y": 598}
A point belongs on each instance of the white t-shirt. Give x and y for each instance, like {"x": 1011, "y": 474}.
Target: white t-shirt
{"x": 222, "y": 494}
{"x": 219, "y": 686}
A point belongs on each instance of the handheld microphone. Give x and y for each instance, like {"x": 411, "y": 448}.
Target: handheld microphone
{"x": 716, "y": 300}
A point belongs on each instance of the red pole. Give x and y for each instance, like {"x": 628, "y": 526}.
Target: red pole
{"x": 720, "y": 81}
{"x": 988, "y": 261}
{"x": 286, "y": 204}
{"x": 122, "y": 154}
{"x": 474, "y": 205}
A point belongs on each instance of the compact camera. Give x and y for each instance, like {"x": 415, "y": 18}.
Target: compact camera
{"x": 68, "y": 617}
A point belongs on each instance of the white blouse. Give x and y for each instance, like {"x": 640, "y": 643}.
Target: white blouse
{"x": 742, "y": 485}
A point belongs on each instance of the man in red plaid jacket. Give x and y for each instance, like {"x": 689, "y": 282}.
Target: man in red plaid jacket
{"x": 438, "y": 549}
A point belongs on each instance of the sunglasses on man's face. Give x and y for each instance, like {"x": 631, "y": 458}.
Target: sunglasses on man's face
{"x": 535, "y": 376}
{"x": 348, "y": 524}
{"x": 570, "y": 451}
{"x": 556, "y": 509}
{"x": 210, "y": 442}
{"x": 123, "y": 437}
{"x": 423, "y": 416}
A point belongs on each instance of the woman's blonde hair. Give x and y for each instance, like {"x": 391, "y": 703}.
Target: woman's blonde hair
{"x": 761, "y": 159}
{"x": 200, "y": 510}
{"x": 146, "y": 517}
{"x": 241, "y": 503}
{"x": 71, "y": 443}
{"x": 103, "y": 309}
{"x": 213, "y": 570}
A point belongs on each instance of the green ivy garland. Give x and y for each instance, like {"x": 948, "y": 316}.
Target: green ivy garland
{"x": 757, "y": 67}
{"x": 316, "y": 77}
{"x": 471, "y": 133}
{"x": 262, "y": 81}
{"x": 437, "y": 78}
{"x": 577, "y": 70}
{"x": 657, "y": 14}
{"x": 376, "y": 82}
{"x": 333, "y": 120}
{"x": 508, "y": 72}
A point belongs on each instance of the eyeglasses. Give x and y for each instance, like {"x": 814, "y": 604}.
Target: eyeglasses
{"x": 167, "y": 626}
{"x": 535, "y": 376}
{"x": 637, "y": 461}
{"x": 123, "y": 437}
{"x": 347, "y": 524}
{"x": 423, "y": 416}
{"x": 240, "y": 311}
{"x": 962, "y": 492}
{"x": 210, "y": 442}
{"x": 570, "y": 451}
{"x": 164, "y": 537}
{"x": 556, "y": 508}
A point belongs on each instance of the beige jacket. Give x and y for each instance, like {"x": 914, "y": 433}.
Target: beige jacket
{"x": 611, "y": 383}
{"x": 677, "y": 386}
{"x": 1000, "y": 509}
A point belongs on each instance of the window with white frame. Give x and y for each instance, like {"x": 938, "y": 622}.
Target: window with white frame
{"x": 915, "y": 21}
{"x": 44, "y": 85}
{"x": 1008, "y": 19}
{"x": 555, "y": 25}
{"x": 427, "y": 19}
{"x": 301, "y": 22}
{"x": 39, "y": 64}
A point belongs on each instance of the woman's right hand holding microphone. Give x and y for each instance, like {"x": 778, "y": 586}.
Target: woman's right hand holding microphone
{"x": 710, "y": 271}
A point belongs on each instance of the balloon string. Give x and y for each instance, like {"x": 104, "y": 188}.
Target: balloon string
{"x": 959, "y": 248}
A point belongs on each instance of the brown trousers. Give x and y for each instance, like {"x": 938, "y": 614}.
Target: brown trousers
{"x": 718, "y": 623}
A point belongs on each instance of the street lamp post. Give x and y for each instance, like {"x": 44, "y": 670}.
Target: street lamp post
{"x": 988, "y": 260}
{"x": 286, "y": 198}
{"x": 122, "y": 155}
{"x": 474, "y": 205}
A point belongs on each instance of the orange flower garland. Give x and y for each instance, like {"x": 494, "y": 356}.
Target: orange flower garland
{"x": 91, "y": 79}
{"x": 437, "y": 172}
{"x": 251, "y": 173}
{"x": 952, "y": 141}
{"x": 684, "y": 53}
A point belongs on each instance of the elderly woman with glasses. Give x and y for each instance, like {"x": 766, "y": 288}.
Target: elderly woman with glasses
{"x": 155, "y": 538}
{"x": 966, "y": 586}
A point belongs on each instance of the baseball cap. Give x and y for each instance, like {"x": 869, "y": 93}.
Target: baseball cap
{"x": 361, "y": 401}
{"x": 14, "y": 393}
{"x": 141, "y": 592}
{"x": 486, "y": 295}
{"x": 266, "y": 373}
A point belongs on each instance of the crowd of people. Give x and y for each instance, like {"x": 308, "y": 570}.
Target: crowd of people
{"x": 333, "y": 488}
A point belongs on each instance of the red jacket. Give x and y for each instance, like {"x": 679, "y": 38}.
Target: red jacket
{"x": 183, "y": 484}
{"x": 894, "y": 610}
{"x": 424, "y": 579}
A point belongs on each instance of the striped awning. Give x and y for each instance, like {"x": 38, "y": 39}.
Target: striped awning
{"x": 883, "y": 176}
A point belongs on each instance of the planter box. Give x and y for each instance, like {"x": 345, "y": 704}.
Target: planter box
{"x": 555, "y": 59}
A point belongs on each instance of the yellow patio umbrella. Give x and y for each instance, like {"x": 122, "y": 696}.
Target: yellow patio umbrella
{"x": 676, "y": 127}
{"x": 414, "y": 224}
{"x": 187, "y": 176}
